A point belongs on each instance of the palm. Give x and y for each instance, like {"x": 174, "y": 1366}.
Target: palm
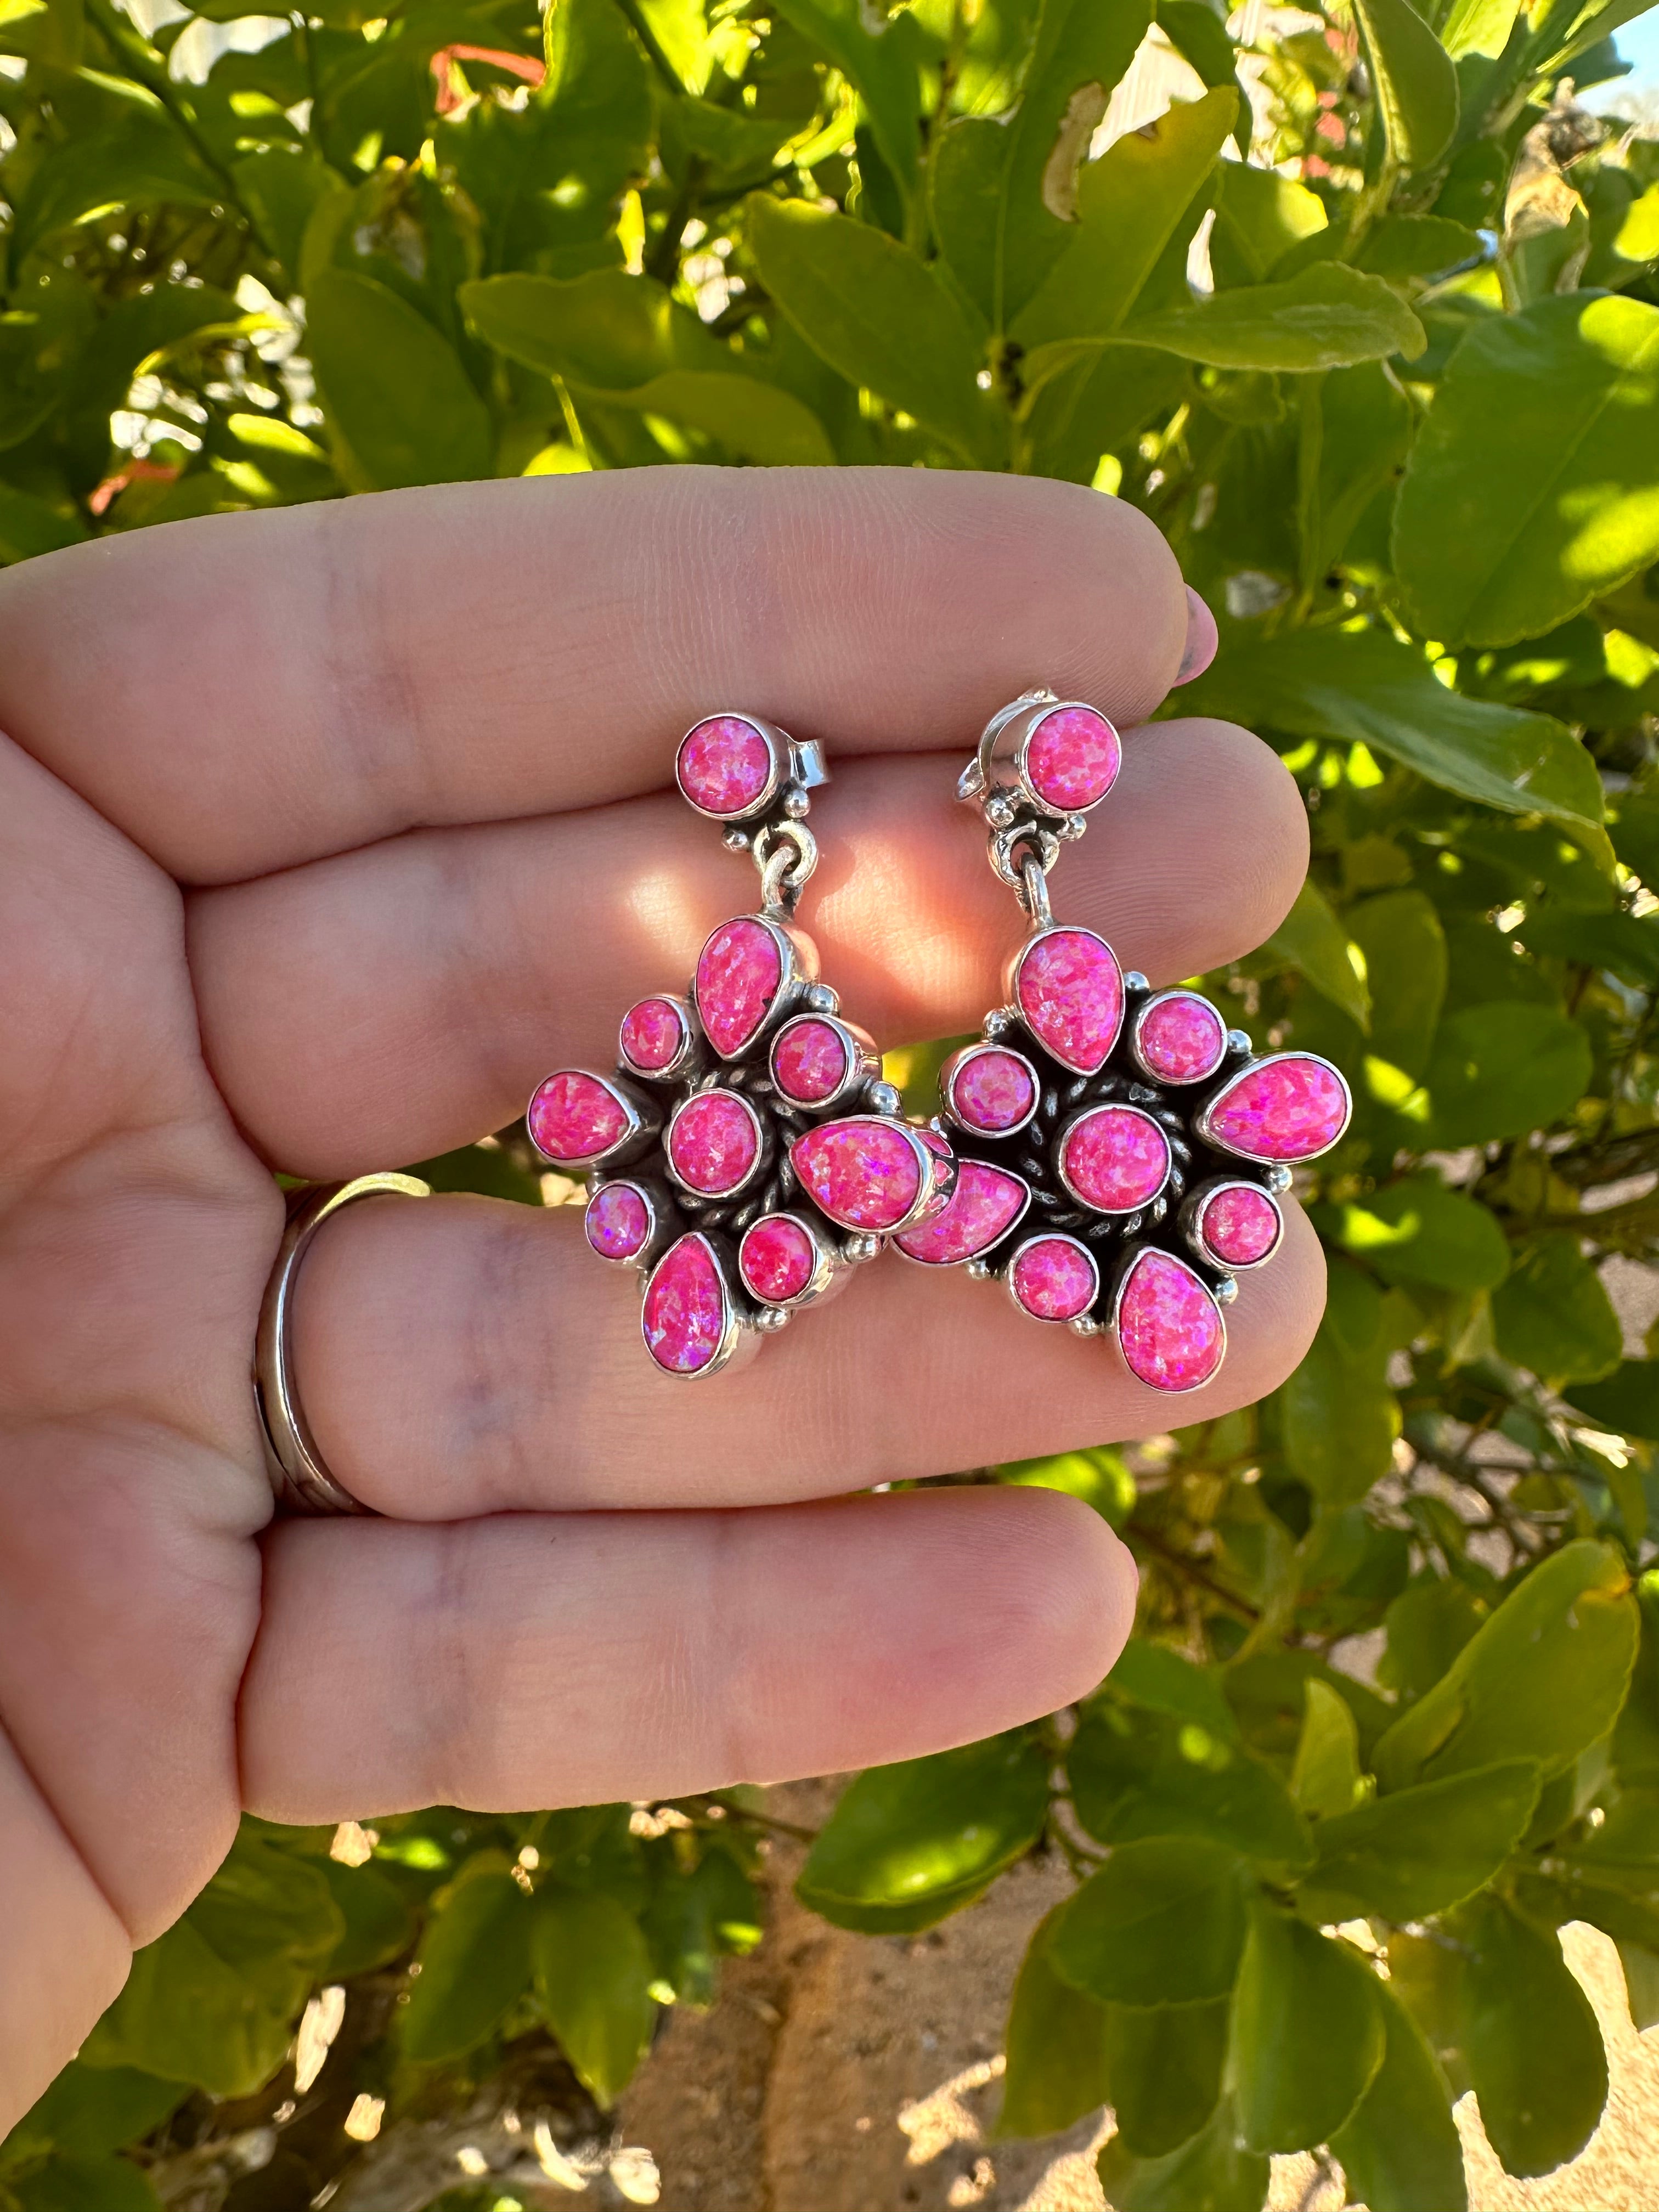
{"x": 402, "y": 756}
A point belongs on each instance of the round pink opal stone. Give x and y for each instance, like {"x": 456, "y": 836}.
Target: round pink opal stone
{"x": 1115, "y": 1158}
{"x": 1290, "y": 1108}
{"x": 739, "y": 972}
{"x": 685, "y": 1311}
{"x": 618, "y": 1221}
{"x": 1181, "y": 1038}
{"x": 1069, "y": 989}
{"x": 864, "y": 1172}
{"x": 651, "y": 1035}
{"x": 777, "y": 1259}
{"x": 809, "y": 1060}
{"x": 1054, "y": 1278}
{"x": 575, "y": 1116}
{"x": 713, "y": 1142}
{"x": 1072, "y": 759}
{"x": 984, "y": 1206}
{"x": 1240, "y": 1225}
{"x": 1168, "y": 1324}
{"x": 724, "y": 766}
{"x": 992, "y": 1090}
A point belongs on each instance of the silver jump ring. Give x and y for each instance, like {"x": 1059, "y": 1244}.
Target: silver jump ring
{"x": 785, "y": 853}
{"x": 302, "y": 1483}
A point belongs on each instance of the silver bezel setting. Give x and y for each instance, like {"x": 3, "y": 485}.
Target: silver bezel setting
{"x": 1133, "y": 1260}
{"x": 1196, "y": 1205}
{"x": 643, "y": 1118}
{"x": 795, "y": 766}
{"x": 969, "y": 1259}
{"x": 1016, "y": 961}
{"x": 1204, "y": 1120}
{"x": 757, "y": 1167}
{"x": 1068, "y": 1130}
{"x": 963, "y": 1057}
{"x": 1052, "y": 1237}
{"x": 1003, "y": 760}
{"x": 863, "y": 1061}
{"x": 827, "y": 1265}
{"x": 687, "y": 1050}
{"x": 797, "y": 969}
{"x": 1157, "y": 1075}
{"x": 734, "y": 1335}
{"x": 662, "y": 1222}
{"x": 937, "y": 1182}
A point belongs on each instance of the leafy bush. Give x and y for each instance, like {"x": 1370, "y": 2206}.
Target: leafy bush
{"x": 1406, "y": 442}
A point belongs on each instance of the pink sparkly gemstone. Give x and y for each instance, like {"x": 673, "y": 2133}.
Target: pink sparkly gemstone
{"x": 984, "y": 1206}
{"x": 1180, "y": 1038}
{"x": 809, "y": 1060}
{"x": 1115, "y": 1158}
{"x": 1168, "y": 1324}
{"x": 1072, "y": 758}
{"x": 575, "y": 1117}
{"x": 864, "y": 1172}
{"x": 777, "y": 1259}
{"x": 993, "y": 1090}
{"x": 1054, "y": 1278}
{"x": 1069, "y": 989}
{"x": 1291, "y": 1108}
{"x": 618, "y": 1221}
{"x": 1240, "y": 1225}
{"x": 651, "y": 1035}
{"x": 713, "y": 1142}
{"x": 724, "y": 766}
{"x": 739, "y": 973}
{"x": 685, "y": 1313}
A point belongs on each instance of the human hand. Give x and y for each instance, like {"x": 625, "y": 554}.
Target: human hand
{"x": 324, "y": 834}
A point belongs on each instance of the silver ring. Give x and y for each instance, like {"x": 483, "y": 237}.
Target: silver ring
{"x": 301, "y": 1482}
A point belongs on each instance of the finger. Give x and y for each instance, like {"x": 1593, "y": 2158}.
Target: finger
{"x": 573, "y": 1659}
{"x": 390, "y": 1003}
{"x": 475, "y": 652}
{"x": 460, "y": 1356}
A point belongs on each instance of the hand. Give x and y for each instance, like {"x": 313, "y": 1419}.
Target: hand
{"x": 324, "y": 834}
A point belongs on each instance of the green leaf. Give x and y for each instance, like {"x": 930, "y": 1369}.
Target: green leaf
{"x": 393, "y": 386}
{"x": 1477, "y": 26}
{"x": 593, "y": 1973}
{"x": 1153, "y": 1778}
{"x": 1311, "y": 939}
{"x": 1258, "y": 217}
{"x": 1212, "y": 2172}
{"x": 1421, "y": 1851}
{"x": 1339, "y": 1416}
{"x": 1165, "y": 2065}
{"x": 30, "y": 526}
{"x": 908, "y": 1843}
{"x": 680, "y": 28}
{"x": 1635, "y": 1733}
{"x": 1626, "y": 945}
{"x": 1416, "y": 84}
{"x": 1164, "y": 1682}
{"x": 878, "y": 314}
{"x": 1324, "y": 317}
{"x": 1504, "y": 1070}
{"x": 1056, "y": 2046}
{"x": 1404, "y": 945}
{"x": 1326, "y": 1778}
{"x": 71, "y": 2182}
{"x": 1641, "y": 1985}
{"x": 1542, "y": 1679}
{"x": 1427, "y": 1626}
{"x": 1161, "y": 1922}
{"x": 95, "y": 2109}
{"x": 139, "y": 161}
{"x": 1400, "y": 2149}
{"x": 1403, "y": 247}
{"x": 1553, "y": 1314}
{"x": 1356, "y": 424}
{"x": 1306, "y": 2035}
{"x": 474, "y": 1959}
{"x": 1535, "y": 2049}
{"x": 877, "y": 54}
{"x": 1416, "y": 1230}
{"x": 378, "y": 1926}
{"x": 1533, "y": 487}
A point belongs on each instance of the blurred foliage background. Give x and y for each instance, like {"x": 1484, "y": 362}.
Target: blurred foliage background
{"x": 1358, "y": 304}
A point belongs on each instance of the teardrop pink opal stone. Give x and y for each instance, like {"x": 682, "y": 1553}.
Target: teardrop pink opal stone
{"x": 1181, "y": 1038}
{"x": 1290, "y": 1108}
{"x": 739, "y": 972}
{"x": 776, "y": 1259}
{"x": 863, "y": 1172}
{"x": 575, "y": 1117}
{"x": 1168, "y": 1324}
{"x": 1240, "y": 1226}
{"x": 686, "y": 1312}
{"x": 1054, "y": 1279}
{"x": 1069, "y": 990}
{"x": 984, "y": 1206}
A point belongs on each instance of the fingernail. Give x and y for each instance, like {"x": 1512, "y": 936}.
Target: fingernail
{"x": 1201, "y": 639}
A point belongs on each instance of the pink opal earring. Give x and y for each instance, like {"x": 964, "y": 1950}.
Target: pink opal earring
{"x": 746, "y": 1153}
{"x": 1121, "y": 1150}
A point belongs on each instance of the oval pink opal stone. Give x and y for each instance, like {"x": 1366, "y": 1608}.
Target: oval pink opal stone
{"x": 1054, "y": 1279}
{"x": 1240, "y": 1225}
{"x": 1291, "y": 1108}
{"x": 686, "y": 1312}
{"x": 618, "y": 1221}
{"x": 1069, "y": 990}
{"x": 992, "y": 1090}
{"x": 714, "y": 1143}
{"x": 984, "y": 1206}
{"x": 739, "y": 972}
{"x": 724, "y": 765}
{"x": 1115, "y": 1158}
{"x": 575, "y": 1116}
{"x": 864, "y": 1172}
{"x": 1181, "y": 1038}
{"x": 1072, "y": 758}
{"x": 1168, "y": 1324}
{"x": 651, "y": 1035}
{"x": 776, "y": 1259}
{"x": 809, "y": 1060}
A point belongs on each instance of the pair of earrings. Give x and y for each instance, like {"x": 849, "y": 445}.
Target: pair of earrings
{"x": 1111, "y": 1153}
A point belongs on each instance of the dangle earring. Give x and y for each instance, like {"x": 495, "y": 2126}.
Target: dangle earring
{"x": 1121, "y": 1150}
{"x": 746, "y": 1153}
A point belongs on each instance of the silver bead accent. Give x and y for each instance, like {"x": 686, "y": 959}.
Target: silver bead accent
{"x": 997, "y": 1024}
{"x": 860, "y": 1247}
{"x": 822, "y": 999}
{"x": 1239, "y": 1041}
{"x": 883, "y": 1097}
{"x": 735, "y": 841}
{"x": 1225, "y": 1291}
{"x": 796, "y": 804}
{"x": 1279, "y": 1178}
{"x": 771, "y": 1319}
{"x": 979, "y": 1270}
{"x": 1134, "y": 981}
{"x": 1085, "y": 1325}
